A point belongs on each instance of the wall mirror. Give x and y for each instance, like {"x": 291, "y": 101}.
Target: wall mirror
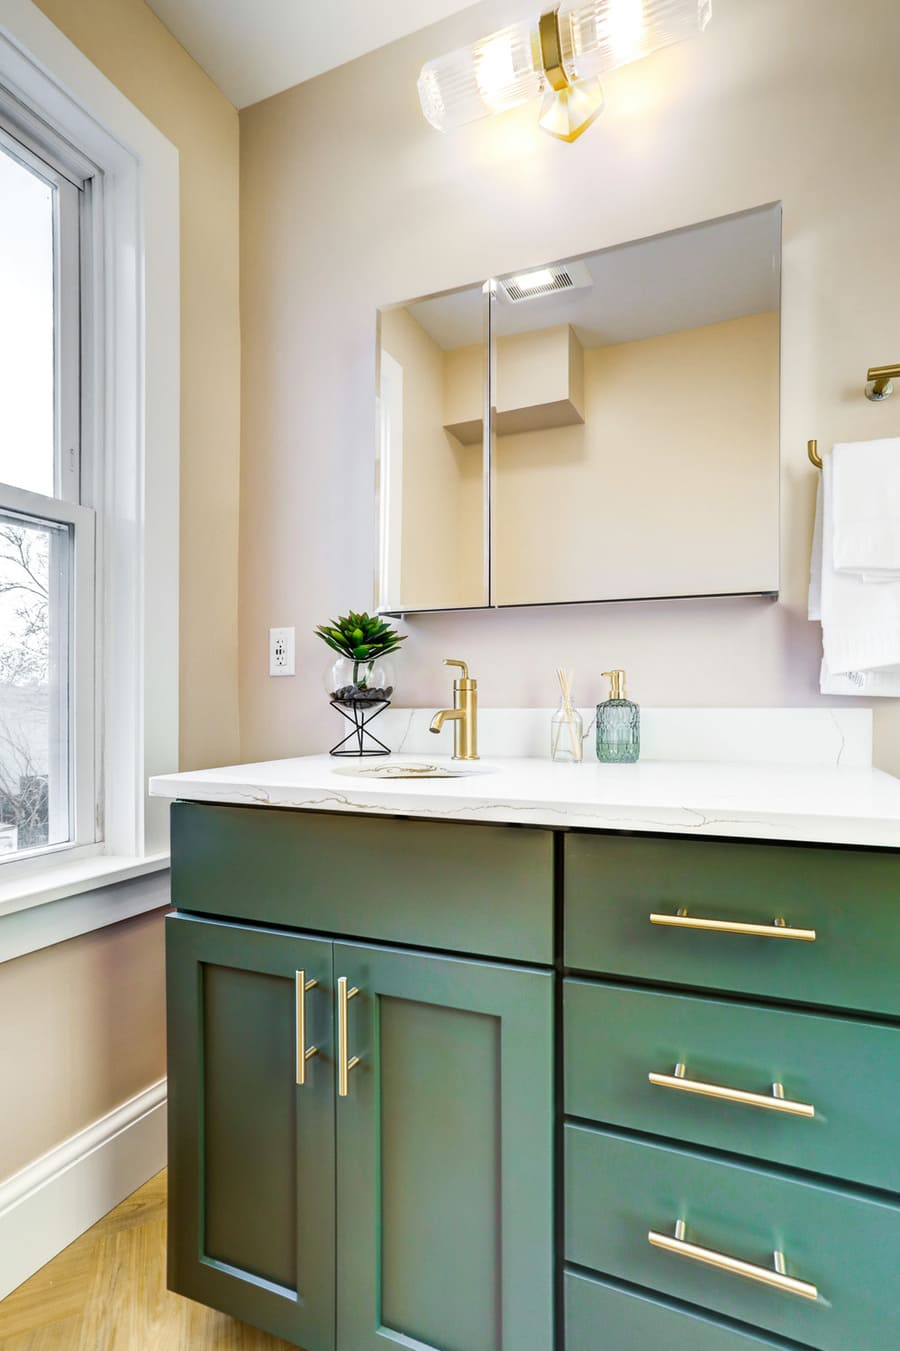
{"x": 631, "y": 444}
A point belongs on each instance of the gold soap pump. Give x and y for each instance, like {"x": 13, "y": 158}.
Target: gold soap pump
{"x": 618, "y": 724}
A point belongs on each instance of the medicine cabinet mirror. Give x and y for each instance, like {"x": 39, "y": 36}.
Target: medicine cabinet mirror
{"x": 601, "y": 428}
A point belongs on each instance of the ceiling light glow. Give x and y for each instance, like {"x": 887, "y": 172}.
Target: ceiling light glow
{"x": 533, "y": 281}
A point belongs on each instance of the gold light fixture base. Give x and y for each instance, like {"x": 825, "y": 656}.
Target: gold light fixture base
{"x": 569, "y": 107}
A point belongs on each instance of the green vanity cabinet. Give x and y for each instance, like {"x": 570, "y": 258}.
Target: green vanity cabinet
{"x": 601, "y": 1316}
{"x": 251, "y": 1153}
{"x": 445, "y": 1155}
{"x": 445, "y": 1086}
{"x": 416, "y": 1209}
{"x": 623, "y": 1191}
{"x": 849, "y": 899}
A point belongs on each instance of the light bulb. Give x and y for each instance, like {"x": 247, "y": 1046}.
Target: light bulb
{"x": 625, "y": 25}
{"x": 495, "y": 72}
{"x": 602, "y": 35}
{"x": 491, "y": 76}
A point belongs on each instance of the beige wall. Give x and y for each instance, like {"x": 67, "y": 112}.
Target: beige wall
{"x": 668, "y": 488}
{"x": 128, "y": 43}
{"x": 81, "y": 1030}
{"x": 82, "y": 1023}
{"x": 350, "y": 201}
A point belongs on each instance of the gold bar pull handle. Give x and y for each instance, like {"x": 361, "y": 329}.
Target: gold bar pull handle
{"x": 779, "y": 928}
{"x": 774, "y": 1102}
{"x": 304, "y": 1053}
{"x": 345, "y": 1064}
{"x": 774, "y": 1276}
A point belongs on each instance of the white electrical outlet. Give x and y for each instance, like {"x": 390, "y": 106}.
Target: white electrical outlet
{"x": 281, "y": 652}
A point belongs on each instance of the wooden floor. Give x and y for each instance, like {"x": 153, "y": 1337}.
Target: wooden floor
{"x": 106, "y": 1292}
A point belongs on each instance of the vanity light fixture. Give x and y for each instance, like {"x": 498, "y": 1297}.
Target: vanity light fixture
{"x": 559, "y": 57}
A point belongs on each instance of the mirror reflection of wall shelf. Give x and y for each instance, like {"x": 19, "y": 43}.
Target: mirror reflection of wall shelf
{"x": 632, "y": 447}
{"x": 539, "y": 379}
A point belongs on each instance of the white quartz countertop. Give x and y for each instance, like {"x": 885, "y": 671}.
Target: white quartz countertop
{"x": 748, "y": 801}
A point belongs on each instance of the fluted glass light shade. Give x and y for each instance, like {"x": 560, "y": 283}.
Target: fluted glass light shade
{"x": 604, "y": 34}
{"x": 497, "y": 73}
{"x": 510, "y": 67}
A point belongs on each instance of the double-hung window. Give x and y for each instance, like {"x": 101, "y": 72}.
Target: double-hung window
{"x": 48, "y": 750}
{"x": 89, "y": 450}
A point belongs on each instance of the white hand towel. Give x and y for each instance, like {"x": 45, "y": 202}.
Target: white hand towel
{"x": 866, "y": 509}
{"x": 883, "y": 683}
{"x": 860, "y": 623}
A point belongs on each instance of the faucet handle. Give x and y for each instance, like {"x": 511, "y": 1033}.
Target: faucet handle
{"x": 464, "y": 666}
{"x": 463, "y": 681}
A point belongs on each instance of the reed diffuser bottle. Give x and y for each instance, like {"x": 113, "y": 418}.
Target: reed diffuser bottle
{"x": 618, "y": 725}
{"x": 566, "y": 727}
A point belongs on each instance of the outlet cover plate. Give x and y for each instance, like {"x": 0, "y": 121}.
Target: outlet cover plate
{"x": 281, "y": 652}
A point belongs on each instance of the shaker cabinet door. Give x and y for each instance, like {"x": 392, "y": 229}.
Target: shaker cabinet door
{"x": 251, "y": 1148}
{"x": 444, "y": 1153}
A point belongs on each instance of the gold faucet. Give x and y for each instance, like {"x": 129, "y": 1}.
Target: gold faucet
{"x": 463, "y": 714}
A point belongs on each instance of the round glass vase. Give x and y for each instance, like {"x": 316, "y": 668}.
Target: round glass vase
{"x": 358, "y": 683}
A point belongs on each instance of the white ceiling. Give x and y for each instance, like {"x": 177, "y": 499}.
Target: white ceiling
{"x": 255, "y": 48}
{"x": 702, "y": 275}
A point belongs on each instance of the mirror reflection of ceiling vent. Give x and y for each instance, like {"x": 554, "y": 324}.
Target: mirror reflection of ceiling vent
{"x": 546, "y": 281}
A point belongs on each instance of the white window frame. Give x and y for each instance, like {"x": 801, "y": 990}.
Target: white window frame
{"x": 131, "y": 413}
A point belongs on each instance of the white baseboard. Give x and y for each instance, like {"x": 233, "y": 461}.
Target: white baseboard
{"x": 48, "y": 1204}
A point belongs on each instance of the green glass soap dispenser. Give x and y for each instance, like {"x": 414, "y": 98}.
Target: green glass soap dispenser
{"x": 618, "y": 725}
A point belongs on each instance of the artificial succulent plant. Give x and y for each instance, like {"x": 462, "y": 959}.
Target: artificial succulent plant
{"x": 362, "y": 639}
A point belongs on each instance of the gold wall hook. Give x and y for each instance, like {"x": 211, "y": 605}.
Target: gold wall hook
{"x": 812, "y": 450}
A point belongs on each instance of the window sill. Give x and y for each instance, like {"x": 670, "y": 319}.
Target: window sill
{"x": 70, "y": 899}
{"x": 60, "y": 880}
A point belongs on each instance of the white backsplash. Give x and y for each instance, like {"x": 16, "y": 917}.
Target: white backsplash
{"x": 826, "y": 737}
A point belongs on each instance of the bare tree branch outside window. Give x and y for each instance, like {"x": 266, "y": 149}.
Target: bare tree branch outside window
{"x": 24, "y": 677}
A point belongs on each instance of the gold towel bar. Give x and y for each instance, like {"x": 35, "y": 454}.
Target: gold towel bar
{"x": 880, "y": 382}
{"x": 879, "y": 386}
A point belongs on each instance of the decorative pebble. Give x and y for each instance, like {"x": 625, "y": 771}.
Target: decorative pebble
{"x": 356, "y": 694}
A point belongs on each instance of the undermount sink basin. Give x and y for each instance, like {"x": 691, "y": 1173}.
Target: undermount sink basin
{"x": 413, "y": 769}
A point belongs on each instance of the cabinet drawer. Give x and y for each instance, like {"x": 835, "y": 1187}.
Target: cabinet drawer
{"x": 462, "y": 888}
{"x": 603, "y": 1317}
{"x": 847, "y": 1070}
{"x": 847, "y": 1245}
{"x": 850, "y": 898}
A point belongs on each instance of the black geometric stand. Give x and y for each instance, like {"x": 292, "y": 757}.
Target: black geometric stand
{"x": 360, "y": 715}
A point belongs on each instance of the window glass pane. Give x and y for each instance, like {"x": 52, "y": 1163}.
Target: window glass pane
{"x": 35, "y": 600}
{"x": 26, "y": 328}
